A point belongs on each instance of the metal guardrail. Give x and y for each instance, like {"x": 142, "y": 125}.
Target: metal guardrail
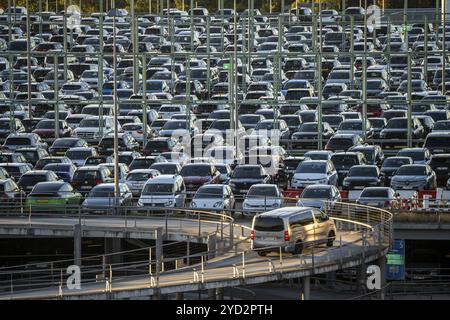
{"x": 370, "y": 228}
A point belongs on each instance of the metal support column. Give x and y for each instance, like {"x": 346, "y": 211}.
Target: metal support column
{"x": 77, "y": 233}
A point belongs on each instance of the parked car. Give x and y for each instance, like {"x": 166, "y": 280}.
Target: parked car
{"x": 414, "y": 177}
{"x": 53, "y": 196}
{"x": 319, "y": 196}
{"x": 261, "y": 198}
{"x": 379, "y": 197}
{"x": 164, "y": 191}
{"x": 314, "y": 172}
{"x": 213, "y": 197}
{"x": 101, "y": 199}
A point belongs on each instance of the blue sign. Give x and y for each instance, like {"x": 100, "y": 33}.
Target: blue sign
{"x": 395, "y": 265}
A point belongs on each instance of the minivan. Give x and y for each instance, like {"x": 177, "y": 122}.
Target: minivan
{"x": 291, "y": 229}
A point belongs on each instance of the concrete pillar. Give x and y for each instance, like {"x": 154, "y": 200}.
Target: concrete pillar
{"x": 211, "y": 294}
{"x": 212, "y": 246}
{"x": 331, "y": 279}
{"x": 159, "y": 249}
{"x": 361, "y": 277}
{"x": 113, "y": 245}
{"x": 77, "y": 244}
{"x": 382, "y": 265}
{"x": 219, "y": 293}
{"x": 179, "y": 296}
{"x": 306, "y": 288}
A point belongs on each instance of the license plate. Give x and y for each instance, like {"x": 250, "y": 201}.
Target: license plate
{"x": 358, "y": 187}
{"x": 242, "y": 190}
{"x": 85, "y": 188}
{"x": 438, "y": 150}
{"x": 442, "y": 168}
{"x": 373, "y": 204}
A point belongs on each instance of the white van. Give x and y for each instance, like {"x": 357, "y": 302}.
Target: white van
{"x": 163, "y": 191}
{"x": 292, "y": 229}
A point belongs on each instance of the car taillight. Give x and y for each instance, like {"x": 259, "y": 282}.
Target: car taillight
{"x": 252, "y": 235}
{"x": 98, "y": 181}
{"x": 387, "y": 203}
{"x": 286, "y": 235}
{"x": 140, "y": 131}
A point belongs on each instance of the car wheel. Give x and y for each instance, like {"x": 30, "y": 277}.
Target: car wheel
{"x": 331, "y": 238}
{"x": 298, "y": 247}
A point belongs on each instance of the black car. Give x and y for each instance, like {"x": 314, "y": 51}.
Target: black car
{"x": 440, "y": 163}
{"x": 157, "y": 146}
{"x": 85, "y": 178}
{"x": 145, "y": 162}
{"x": 246, "y": 175}
{"x": 373, "y": 154}
{"x": 391, "y": 165}
{"x": 343, "y": 161}
{"x": 61, "y": 145}
{"x": 397, "y": 129}
{"x": 362, "y": 176}
{"x": 32, "y": 154}
{"x": 126, "y": 142}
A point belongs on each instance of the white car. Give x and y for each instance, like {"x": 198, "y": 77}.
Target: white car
{"x": 136, "y": 179}
{"x": 215, "y": 197}
{"x": 262, "y": 198}
{"x": 311, "y": 172}
{"x": 89, "y": 128}
{"x": 225, "y": 154}
{"x": 136, "y": 130}
{"x": 163, "y": 191}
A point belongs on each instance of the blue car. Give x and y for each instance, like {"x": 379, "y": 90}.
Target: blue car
{"x": 64, "y": 171}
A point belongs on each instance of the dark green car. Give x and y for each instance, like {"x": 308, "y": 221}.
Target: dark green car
{"x": 53, "y": 196}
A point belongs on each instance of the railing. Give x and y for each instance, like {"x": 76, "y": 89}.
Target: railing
{"x": 363, "y": 231}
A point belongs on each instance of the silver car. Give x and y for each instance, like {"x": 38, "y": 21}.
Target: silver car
{"x": 291, "y": 229}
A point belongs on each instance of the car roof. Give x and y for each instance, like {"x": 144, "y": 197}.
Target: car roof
{"x": 284, "y": 212}
{"x": 164, "y": 178}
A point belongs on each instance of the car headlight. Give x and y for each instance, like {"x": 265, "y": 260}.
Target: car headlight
{"x": 345, "y": 183}
{"x": 218, "y": 204}
{"x": 168, "y": 203}
{"x": 323, "y": 181}
{"x": 193, "y": 204}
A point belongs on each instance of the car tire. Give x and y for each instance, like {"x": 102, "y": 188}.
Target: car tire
{"x": 331, "y": 238}
{"x": 298, "y": 248}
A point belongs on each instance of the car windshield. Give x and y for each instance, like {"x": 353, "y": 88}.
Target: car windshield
{"x": 263, "y": 191}
{"x": 22, "y": 141}
{"x": 362, "y": 172}
{"x": 345, "y": 160}
{"x": 411, "y": 171}
{"x": 396, "y": 163}
{"x": 268, "y": 224}
{"x": 139, "y": 176}
{"x": 64, "y": 143}
{"x": 91, "y": 123}
{"x": 102, "y": 192}
{"x": 246, "y": 172}
{"x": 31, "y": 180}
{"x": 375, "y": 193}
{"x": 316, "y": 193}
{"x": 311, "y": 167}
{"x": 397, "y": 124}
{"x": 351, "y": 126}
{"x": 158, "y": 189}
{"x": 83, "y": 175}
{"x": 196, "y": 170}
{"x": 416, "y": 156}
{"x": 204, "y": 193}
{"x": 78, "y": 155}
